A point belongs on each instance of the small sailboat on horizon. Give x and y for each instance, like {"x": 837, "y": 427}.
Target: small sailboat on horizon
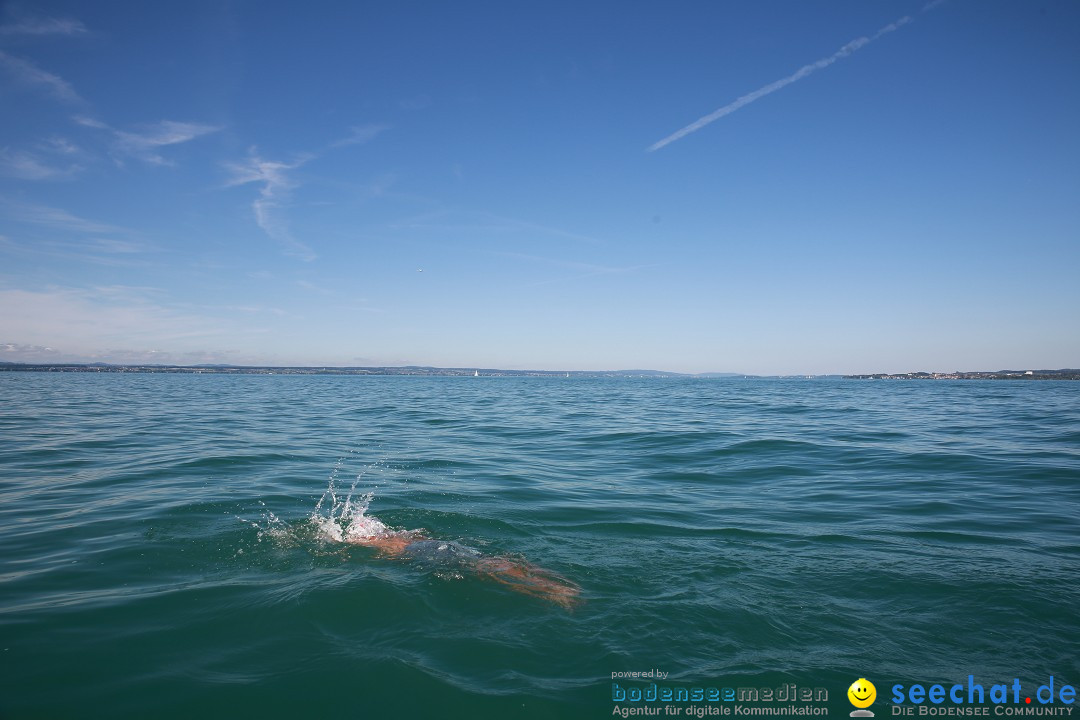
{"x": 476, "y": 373}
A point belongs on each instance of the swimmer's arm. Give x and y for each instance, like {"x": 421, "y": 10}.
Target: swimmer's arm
{"x": 389, "y": 544}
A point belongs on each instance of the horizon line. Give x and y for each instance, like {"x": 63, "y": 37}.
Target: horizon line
{"x": 330, "y": 369}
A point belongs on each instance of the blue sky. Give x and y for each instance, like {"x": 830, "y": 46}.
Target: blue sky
{"x": 874, "y": 187}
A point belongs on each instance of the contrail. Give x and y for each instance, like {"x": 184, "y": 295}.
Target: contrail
{"x": 856, "y": 44}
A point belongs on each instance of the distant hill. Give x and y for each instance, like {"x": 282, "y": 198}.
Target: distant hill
{"x": 649, "y": 373}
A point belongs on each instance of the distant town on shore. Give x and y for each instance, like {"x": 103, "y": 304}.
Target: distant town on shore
{"x": 414, "y": 370}
{"x": 974, "y": 375}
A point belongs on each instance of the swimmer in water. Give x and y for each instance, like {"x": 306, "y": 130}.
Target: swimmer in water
{"x": 517, "y": 575}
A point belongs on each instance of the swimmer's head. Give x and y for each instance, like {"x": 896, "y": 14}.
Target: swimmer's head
{"x": 365, "y": 528}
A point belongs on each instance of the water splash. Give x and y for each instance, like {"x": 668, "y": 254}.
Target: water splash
{"x": 338, "y": 518}
{"x": 345, "y": 520}
{"x": 341, "y": 519}
{"x": 272, "y": 528}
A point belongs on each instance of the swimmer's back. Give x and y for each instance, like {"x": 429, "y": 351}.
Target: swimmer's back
{"x": 441, "y": 552}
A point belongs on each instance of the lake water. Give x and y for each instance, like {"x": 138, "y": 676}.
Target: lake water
{"x": 161, "y": 556}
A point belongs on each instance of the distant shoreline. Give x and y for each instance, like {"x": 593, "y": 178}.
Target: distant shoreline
{"x": 412, "y": 370}
{"x": 421, "y": 371}
{"x": 975, "y": 375}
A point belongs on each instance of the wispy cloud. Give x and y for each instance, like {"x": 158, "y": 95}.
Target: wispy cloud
{"x": 144, "y": 143}
{"x": 277, "y": 186}
{"x": 56, "y": 233}
{"x": 417, "y": 102}
{"x": 44, "y": 26}
{"x": 28, "y": 166}
{"x": 577, "y": 266}
{"x": 81, "y": 249}
{"x": 580, "y": 269}
{"x": 18, "y": 352}
{"x": 804, "y": 71}
{"x": 119, "y": 247}
{"x": 60, "y": 146}
{"x": 77, "y": 239}
{"x": 77, "y": 351}
{"x": 484, "y": 222}
{"x": 30, "y": 74}
{"x": 54, "y": 158}
{"x": 360, "y": 134}
{"x": 90, "y": 122}
{"x": 55, "y": 218}
{"x": 275, "y": 192}
{"x": 88, "y": 319}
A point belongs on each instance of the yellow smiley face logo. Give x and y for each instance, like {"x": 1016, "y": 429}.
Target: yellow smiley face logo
{"x": 862, "y": 693}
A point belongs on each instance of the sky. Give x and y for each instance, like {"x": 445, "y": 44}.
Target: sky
{"x": 754, "y": 187}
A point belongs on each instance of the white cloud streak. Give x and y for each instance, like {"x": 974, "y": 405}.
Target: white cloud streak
{"x": 482, "y": 222}
{"x": 275, "y": 191}
{"x": 277, "y": 187}
{"x": 84, "y": 250}
{"x": 804, "y": 71}
{"x": 360, "y": 134}
{"x": 589, "y": 268}
{"x": 79, "y": 239}
{"x": 90, "y": 122}
{"x": 56, "y": 219}
{"x": 44, "y": 26}
{"x": 61, "y": 146}
{"x": 88, "y": 319}
{"x": 30, "y": 74}
{"x": 143, "y": 145}
{"x": 27, "y": 166}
